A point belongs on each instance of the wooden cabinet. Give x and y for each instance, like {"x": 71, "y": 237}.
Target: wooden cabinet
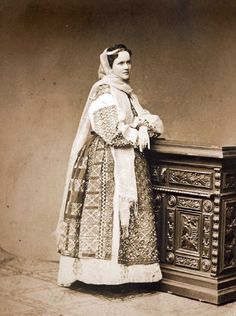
{"x": 195, "y": 196}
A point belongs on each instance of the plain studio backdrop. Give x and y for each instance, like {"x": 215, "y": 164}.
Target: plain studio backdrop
{"x": 184, "y": 69}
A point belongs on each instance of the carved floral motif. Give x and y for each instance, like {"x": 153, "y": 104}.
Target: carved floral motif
{"x": 170, "y": 230}
{"x": 189, "y": 203}
{"x": 207, "y": 206}
{"x": 189, "y": 238}
{"x": 187, "y": 262}
{"x": 206, "y": 239}
{"x": 190, "y": 178}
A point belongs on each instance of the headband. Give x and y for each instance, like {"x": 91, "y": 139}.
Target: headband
{"x": 115, "y": 51}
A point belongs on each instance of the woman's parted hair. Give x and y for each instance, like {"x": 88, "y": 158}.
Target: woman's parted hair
{"x": 112, "y": 57}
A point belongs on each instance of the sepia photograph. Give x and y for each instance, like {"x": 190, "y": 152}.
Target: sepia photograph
{"x": 118, "y": 158}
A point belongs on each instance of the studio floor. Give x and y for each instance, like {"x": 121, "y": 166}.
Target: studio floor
{"x": 29, "y": 288}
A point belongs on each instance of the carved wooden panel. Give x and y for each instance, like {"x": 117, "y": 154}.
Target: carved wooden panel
{"x": 206, "y": 236}
{"x": 229, "y": 181}
{"x": 187, "y": 262}
{"x": 229, "y": 239}
{"x": 189, "y": 222}
{"x": 170, "y": 229}
{"x": 158, "y": 217}
{"x": 191, "y": 178}
{"x": 189, "y": 226}
{"x": 191, "y": 203}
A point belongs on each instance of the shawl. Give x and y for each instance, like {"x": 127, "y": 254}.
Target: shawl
{"x": 124, "y": 172}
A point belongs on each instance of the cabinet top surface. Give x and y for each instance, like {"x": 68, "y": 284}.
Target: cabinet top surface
{"x": 192, "y": 149}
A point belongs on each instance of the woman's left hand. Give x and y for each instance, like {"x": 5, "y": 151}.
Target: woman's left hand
{"x": 143, "y": 138}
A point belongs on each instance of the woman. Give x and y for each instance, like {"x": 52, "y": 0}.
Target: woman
{"x": 106, "y": 230}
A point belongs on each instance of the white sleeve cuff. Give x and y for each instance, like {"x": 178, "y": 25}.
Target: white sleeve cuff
{"x": 129, "y": 133}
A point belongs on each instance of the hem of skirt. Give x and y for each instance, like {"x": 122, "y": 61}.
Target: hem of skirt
{"x": 94, "y": 271}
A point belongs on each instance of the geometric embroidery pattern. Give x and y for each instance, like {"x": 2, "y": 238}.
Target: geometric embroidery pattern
{"x": 87, "y": 230}
{"x": 95, "y": 239}
{"x": 88, "y": 219}
{"x": 68, "y": 241}
{"x": 106, "y": 219}
{"x": 105, "y": 125}
{"x": 140, "y": 247}
{"x": 108, "y": 117}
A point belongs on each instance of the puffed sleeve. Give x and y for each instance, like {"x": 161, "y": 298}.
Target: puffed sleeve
{"x": 105, "y": 121}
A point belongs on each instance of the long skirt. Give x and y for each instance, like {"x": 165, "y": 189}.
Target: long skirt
{"x": 92, "y": 246}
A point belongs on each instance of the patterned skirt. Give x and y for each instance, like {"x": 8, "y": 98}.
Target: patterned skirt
{"x": 92, "y": 242}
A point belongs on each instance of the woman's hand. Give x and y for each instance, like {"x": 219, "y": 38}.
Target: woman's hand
{"x": 143, "y": 138}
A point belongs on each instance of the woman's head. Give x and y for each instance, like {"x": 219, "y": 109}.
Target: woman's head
{"x": 119, "y": 59}
{"x": 112, "y": 52}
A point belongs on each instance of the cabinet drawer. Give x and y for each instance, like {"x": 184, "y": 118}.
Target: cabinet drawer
{"x": 187, "y": 178}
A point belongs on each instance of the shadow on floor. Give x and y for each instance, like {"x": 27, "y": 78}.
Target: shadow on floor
{"x": 116, "y": 291}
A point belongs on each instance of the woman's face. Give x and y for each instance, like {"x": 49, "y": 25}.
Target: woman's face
{"x": 122, "y": 65}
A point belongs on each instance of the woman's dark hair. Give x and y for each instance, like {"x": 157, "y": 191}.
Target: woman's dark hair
{"x": 112, "y": 57}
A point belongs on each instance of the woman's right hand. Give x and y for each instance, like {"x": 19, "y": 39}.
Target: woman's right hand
{"x": 143, "y": 138}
